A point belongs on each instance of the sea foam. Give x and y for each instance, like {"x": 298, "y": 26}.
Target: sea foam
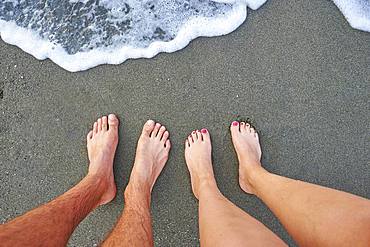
{"x": 357, "y": 13}
{"x": 80, "y": 34}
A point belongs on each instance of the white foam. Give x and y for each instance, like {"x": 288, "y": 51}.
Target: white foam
{"x": 29, "y": 41}
{"x": 356, "y": 12}
{"x": 253, "y": 4}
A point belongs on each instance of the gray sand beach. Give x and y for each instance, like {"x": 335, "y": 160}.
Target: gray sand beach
{"x": 295, "y": 68}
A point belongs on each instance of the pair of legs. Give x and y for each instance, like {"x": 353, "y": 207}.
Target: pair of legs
{"x": 313, "y": 215}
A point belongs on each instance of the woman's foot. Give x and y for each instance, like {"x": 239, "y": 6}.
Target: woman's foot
{"x": 248, "y": 149}
{"x": 151, "y": 155}
{"x": 198, "y": 158}
{"x": 102, "y": 142}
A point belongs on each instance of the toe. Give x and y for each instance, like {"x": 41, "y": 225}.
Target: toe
{"x": 162, "y": 129}
{"x": 155, "y": 130}
{"x": 257, "y": 136}
{"x": 248, "y": 128}
{"x": 165, "y": 136}
{"x": 252, "y": 130}
{"x": 95, "y": 128}
{"x": 205, "y": 135}
{"x": 89, "y": 135}
{"x": 113, "y": 122}
{"x": 234, "y": 128}
{"x": 104, "y": 123}
{"x": 190, "y": 139}
{"x": 187, "y": 144}
{"x": 194, "y": 135}
{"x": 148, "y": 128}
{"x": 242, "y": 127}
{"x": 199, "y": 135}
{"x": 99, "y": 124}
{"x": 167, "y": 145}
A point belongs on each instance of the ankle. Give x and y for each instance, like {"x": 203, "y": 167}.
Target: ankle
{"x": 96, "y": 183}
{"x": 207, "y": 184}
{"x": 98, "y": 179}
{"x": 97, "y": 170}
{"x": 252, "y": 175}
{"x": 137, "y": 194}
{"x": 255, "y": 167}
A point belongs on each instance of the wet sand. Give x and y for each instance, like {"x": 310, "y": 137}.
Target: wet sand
{"x": 298, "y": 70}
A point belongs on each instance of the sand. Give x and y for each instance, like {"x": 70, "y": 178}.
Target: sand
{"x": 298, "y": 70}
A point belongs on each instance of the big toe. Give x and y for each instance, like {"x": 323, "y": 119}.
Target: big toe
{"x": 113, "y": 122}
{"x": 205, "y": 135}
{"x": 234, "y": 128}
{"x": 148, "y": 128}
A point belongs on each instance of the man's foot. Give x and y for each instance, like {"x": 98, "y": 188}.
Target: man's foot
{"x": 248, "y": 149}
{"x": 198, "y": 158}
{"x": 151, "y": 155}
{"x": 102, "y": 142}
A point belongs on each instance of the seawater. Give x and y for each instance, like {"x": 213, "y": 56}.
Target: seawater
{"x": 80, "y": 34}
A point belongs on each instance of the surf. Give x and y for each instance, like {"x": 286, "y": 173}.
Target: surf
{"x": 81, "y": 34}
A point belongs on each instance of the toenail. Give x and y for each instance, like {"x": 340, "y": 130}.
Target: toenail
{"x": 235, "y": 123}
{"x": 194, "y": 132}
{"x": 204, "y": 131}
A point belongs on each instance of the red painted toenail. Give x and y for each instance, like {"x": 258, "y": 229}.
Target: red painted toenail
{"x": 235, "y": 123}
{"x": 204, "y": 131}
{"x": 194, "y": 132}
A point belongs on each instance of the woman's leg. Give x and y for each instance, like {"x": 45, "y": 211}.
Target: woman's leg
{"x": 221, "y": 223}
{"x": 53, "y": 223}
{"x": 312, "y": 214}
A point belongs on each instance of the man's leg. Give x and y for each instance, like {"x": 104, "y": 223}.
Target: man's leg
{"x": 221, "y": 223}
{"x": 312, "y": 214}
{"x": 53, "y": 223}
{"x": 134, "y": 228}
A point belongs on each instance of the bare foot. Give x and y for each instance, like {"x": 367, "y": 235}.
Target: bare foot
{"x": 151, "y": 154}
{"x": 198, "y": 158}
{"x": 248, "y": 149}
{"x": 102, "y": 142}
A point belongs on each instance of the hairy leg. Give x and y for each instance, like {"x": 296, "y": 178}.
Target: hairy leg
{"x": 314, "y": 215}
{"x": 134, "y": 227}
{"x": 53, "y": 223}
{"x": 221, "y": 223}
